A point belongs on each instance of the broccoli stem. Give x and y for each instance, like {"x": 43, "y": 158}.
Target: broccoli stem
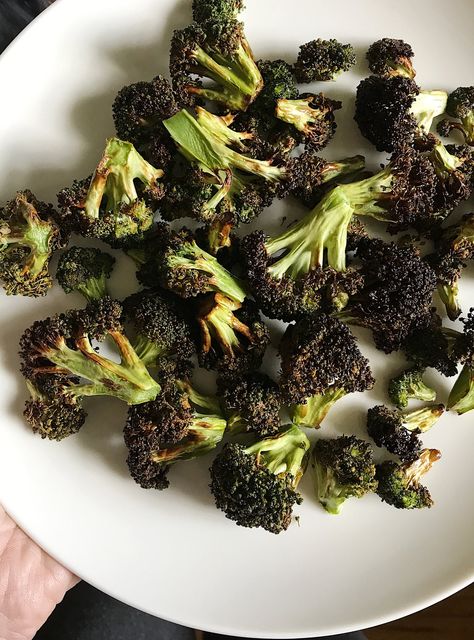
{"x": 427, "y": 106}
{"x": 298, "y": 113}
{"x": 317, "y": 407}
{"x": 148, "y": 352}
{"x": 209, "y": 403}
{"x": 283, "y": 454}
{"x": 221, "y": 324}
{"x": 461, "y": 398}
{"x": 94, "y": 288}
{"x": 423, "y": 419}
{"x": 365, "y": 195}
{"x": 449, "y": 297}
{"x": 219, "y": 127}
{"x": 204, "y": 433}
{"x": 445, "y": 163}
{"x": 331, "y": 493}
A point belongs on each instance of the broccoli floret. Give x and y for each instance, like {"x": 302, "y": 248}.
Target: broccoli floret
{"x": 399, "y": 484}
{"x": 251, "y": 403}
{"x": 85, "y": 270}
{"x": 161, "y": 330}
{"x": 216, "y": 10}
{"x": 256, "y": 486}
{"x": 219, "y": 51}
{"x": 28, "y": 238}
{"x": 454, "y": 167}
{"x": 393, "y": 112}
{"x": 461, "y": 398}
{"x": 344, "y": 468}
{"x": 233, "y": 337}
{"x": 409, "y": 385}
{"x": 461, "y": 106}
{"x": 319, "y": 355}
{"x": 278, "y": 84}
{"x": 312, "y": 116}
{"x": 180, "y": 424}
{"x": 110, "y": 206}
{"x": 397, "y": 432}
{"x": 323, "y": 60}
{"x": 389, "y": 57}
{"x": 63, "y": 345}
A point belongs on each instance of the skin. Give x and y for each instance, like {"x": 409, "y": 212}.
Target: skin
{"x": 31, "y": 583}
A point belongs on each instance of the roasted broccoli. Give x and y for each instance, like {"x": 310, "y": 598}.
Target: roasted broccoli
{"x": 344, "y": 468}
{"x": 278, "y": 84}
{"x": 389, "y": 57}
{"x": 454, "y": 167}
{"x": 461, "y": 398}
{"x": 323, "y": 60}
{"x": 256, "y": 485}
{"x": 399, "y": 484}
{"x": 86, "y": 271}
{"x": 461, "y": 106}
{"x": 409, "y": 385}
{"x": 216, "y": 10}
{"x": 28, "y": 237}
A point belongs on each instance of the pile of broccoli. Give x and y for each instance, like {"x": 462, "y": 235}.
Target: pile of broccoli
{"x": 213, "y": 148}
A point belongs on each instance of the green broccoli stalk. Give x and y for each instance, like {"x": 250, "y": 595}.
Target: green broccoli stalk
{"x": 461, "y": 397}
{"x": 317, "y": 407}
{"x": 311, "y": 115}
{"x": 256, "y": 486}
{"x": 86, "y": 271}
{"x": 461, "y": 106}
{"x": 344, "y": 468}
{"x": 409, "y": 385}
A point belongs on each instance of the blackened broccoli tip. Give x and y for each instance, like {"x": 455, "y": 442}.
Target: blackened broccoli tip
{"x": 140, "y": 108}
{"x": 409, "y": 385}
{"x": 85, "y": 270}
{"x": 323, "y": 60}
{"x": 460, "y": 106}
{"x": 233, "y": 336}
{"x": 312, "y": 116}
{"x": 251, "y": 403}
{"x": 390, "y": 57}
{"x": 161, "y": 329}
{"x": 461, "y": 398}
{"x": 63, "y": 344}
{"x": 432, "y": 345}
{"x": 217, "y": 50}
{"x": 454, "y": 167}
{"x": 216, "y": 10}
{"x": 28, "y": 237}
{"x": 110, "y": 205}
{"x": 393, "y": 112}
{"x": 344, "y": 468}
{"x": 399, "y": 484}
{"x": 256, "y": 486}
{"x": 279, "y": 83}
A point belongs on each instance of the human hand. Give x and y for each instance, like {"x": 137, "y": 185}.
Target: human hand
{"x": 31, "y": 583}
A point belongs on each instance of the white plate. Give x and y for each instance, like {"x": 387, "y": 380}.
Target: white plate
{"x": 172, "y": 553}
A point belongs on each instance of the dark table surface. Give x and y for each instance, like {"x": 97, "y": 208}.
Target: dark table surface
{"x": 15, "y": 15}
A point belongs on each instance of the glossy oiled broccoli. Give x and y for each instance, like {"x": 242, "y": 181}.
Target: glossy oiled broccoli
{"x": 399, "y": 484}
{"x": 461, "y": 106}
{"x": 344, "y": 468}
{"x": 110, "y": 205}
{"x": 409, "y": 385}
{"x": 256, "y": 486}
{"x": 180, "y": 424}
{"x": 397, "y": 432}
{"x": 216, "y": 50}
{"x": 161, "y": 330}
{"x": 251, "y": 403}
{"x": 233, "y": 336}
{"x": 312, "y": 116}
{"x": 392, "y": 112}
{"x": 461, "y": 398}
{"x": 389, "y": 57}
{"x": 28, "y": 237}
{"x": 323, "y": 60}
{"x": 85, "y": 270}
{"x": 216, "y": 10}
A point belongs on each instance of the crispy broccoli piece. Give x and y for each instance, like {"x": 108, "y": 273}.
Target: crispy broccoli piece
{"x": 399, "y": 484}
{"x": 461, "y": 398}
{"x": 278, "y": 84}
{"x": 393, "y": 112}
{"x": 344, "y": 468}
{"x": 233, "y": 337}
{"x": 28, "y": 237}
{"x": 85, "y": 270}
{"x": 256, "y": 486}
{"x": 319, "y": 355}
{"x": 251, "y": 403}
{"x": 454, "y": 167}
{"x": 323, "y": 60}
{"x": 312, "y": 116}
{"x": 110, "y": 206}
{"x": 219, "y": 51}
{"x": 180, "y": 424}
{"x": 161, "y": 330}
{"x": 409, "y": 385}
{"x": 389, "y": 57}
{"x": 216, "y": 10}
{"x": 62, "y": 345}
{"x": 397, "y": 432}
{"x": 461, "y": 106}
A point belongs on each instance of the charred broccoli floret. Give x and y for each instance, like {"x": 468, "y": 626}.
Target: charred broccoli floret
{"x": 251, "y": 403}
{"x": 344, "y": 468}
{"x": 28, "y": 237}
{"x": 216, "y": 10}
{"x": 323, "y": 60}
{"x": 461, "y": 106}
{"x": 454, "y": 167}
{"x": 399, "y": 484}
{"x": 85, "y": 270}
{"x": 389, "y": 57}
{"x": 461, "y": 398}
{"x": 397, "y": 432}
{"x": 110, "y": 206}
{"x": 278, "y": 84}
{"x": 393, "y": 112}
{"x": 256, "y": 486}
{"x": 410, "y": 385}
